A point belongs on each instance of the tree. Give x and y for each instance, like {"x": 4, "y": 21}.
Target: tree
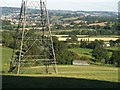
{"x": 112, "y": 43}
{"x": 63, "y": 56}
{"x": 115, "y": 58}
{"x": 99, "y": 53}
{"x": 96, "y": 43}
{"x": 84, "y": 58}
{"x": 83, "y": 43}
{"x": 7, "y": 38}
{"x": 118, "y": 42}
{"x": 73, "y": 37}
{"x": 6, "y": 22}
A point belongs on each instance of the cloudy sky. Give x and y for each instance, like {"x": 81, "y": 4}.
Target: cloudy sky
{"x": 90, "y": 5}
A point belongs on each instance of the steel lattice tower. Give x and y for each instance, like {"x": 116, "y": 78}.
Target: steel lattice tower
{"x": 33, "y": 45}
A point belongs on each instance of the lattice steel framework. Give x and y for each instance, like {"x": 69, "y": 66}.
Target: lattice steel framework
{"x": 33, "y": 44}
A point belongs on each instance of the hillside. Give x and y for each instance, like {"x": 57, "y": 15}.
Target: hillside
{"x": 7, "y": 10}
{"x": 89, "y": 72}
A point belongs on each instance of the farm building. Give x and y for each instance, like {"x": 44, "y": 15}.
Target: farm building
{"x": 79, "y": 62}
{"x": 106, "y": 45}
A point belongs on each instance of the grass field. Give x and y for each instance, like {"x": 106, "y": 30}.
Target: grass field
{"x": 113, "y": 48}
{"x": 82, "y": 52}
{"x": 68, "y": 75}
{"x": 87, "y": 72}
{"x": 6, "y": 55}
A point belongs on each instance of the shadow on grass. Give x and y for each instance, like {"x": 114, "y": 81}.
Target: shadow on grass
{"x": 53, "y": 82}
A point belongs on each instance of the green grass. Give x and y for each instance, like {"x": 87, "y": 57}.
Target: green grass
{"x": 68, "y": 77}
{"x": 87, "y": 52}
{"x": 70, "y": 71}
{"x": 6, "y": 55}
{"x": 82, "y": 51}
{"x": 112, "y": 48}
{"x": 91, "y": 72}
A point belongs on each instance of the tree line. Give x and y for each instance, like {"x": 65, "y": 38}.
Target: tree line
{"x": 101, "y": 54}
{"x": 89, "y": 32}
{"x": 63, "y": 56}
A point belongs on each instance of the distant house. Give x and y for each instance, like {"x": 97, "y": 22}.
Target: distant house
{"x": 106, "y": 45}
{"x": 79, "y": 62}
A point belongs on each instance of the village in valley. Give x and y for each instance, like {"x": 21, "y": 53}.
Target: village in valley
{"x": 85, "y": 24}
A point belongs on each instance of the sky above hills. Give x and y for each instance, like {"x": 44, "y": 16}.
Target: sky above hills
{"x": 87, "y": 5}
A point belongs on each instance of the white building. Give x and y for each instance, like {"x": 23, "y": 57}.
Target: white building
{"x": 79, "y": 62}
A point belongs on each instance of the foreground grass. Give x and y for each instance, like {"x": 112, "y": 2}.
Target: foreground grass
{"x": 6, "y": 55}
{"x": 87, "y": 72}
{"x": 91, "y": 72}
{"x": 68, "y": 77}
{"x": 54, "y": 82}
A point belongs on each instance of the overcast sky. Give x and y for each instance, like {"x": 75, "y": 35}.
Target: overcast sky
{"x": 91, "y": 5}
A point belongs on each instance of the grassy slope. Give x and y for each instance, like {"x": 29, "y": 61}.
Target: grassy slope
{"x": 82, "y": 51}
{"x": 87, "y": 52}
{"x": 6, "y": 55}
{"x": 112, "y": 48}
{"x": 86, "y": 72}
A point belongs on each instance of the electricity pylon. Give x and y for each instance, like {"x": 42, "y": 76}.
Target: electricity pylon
{"x": 33, "y": 44}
